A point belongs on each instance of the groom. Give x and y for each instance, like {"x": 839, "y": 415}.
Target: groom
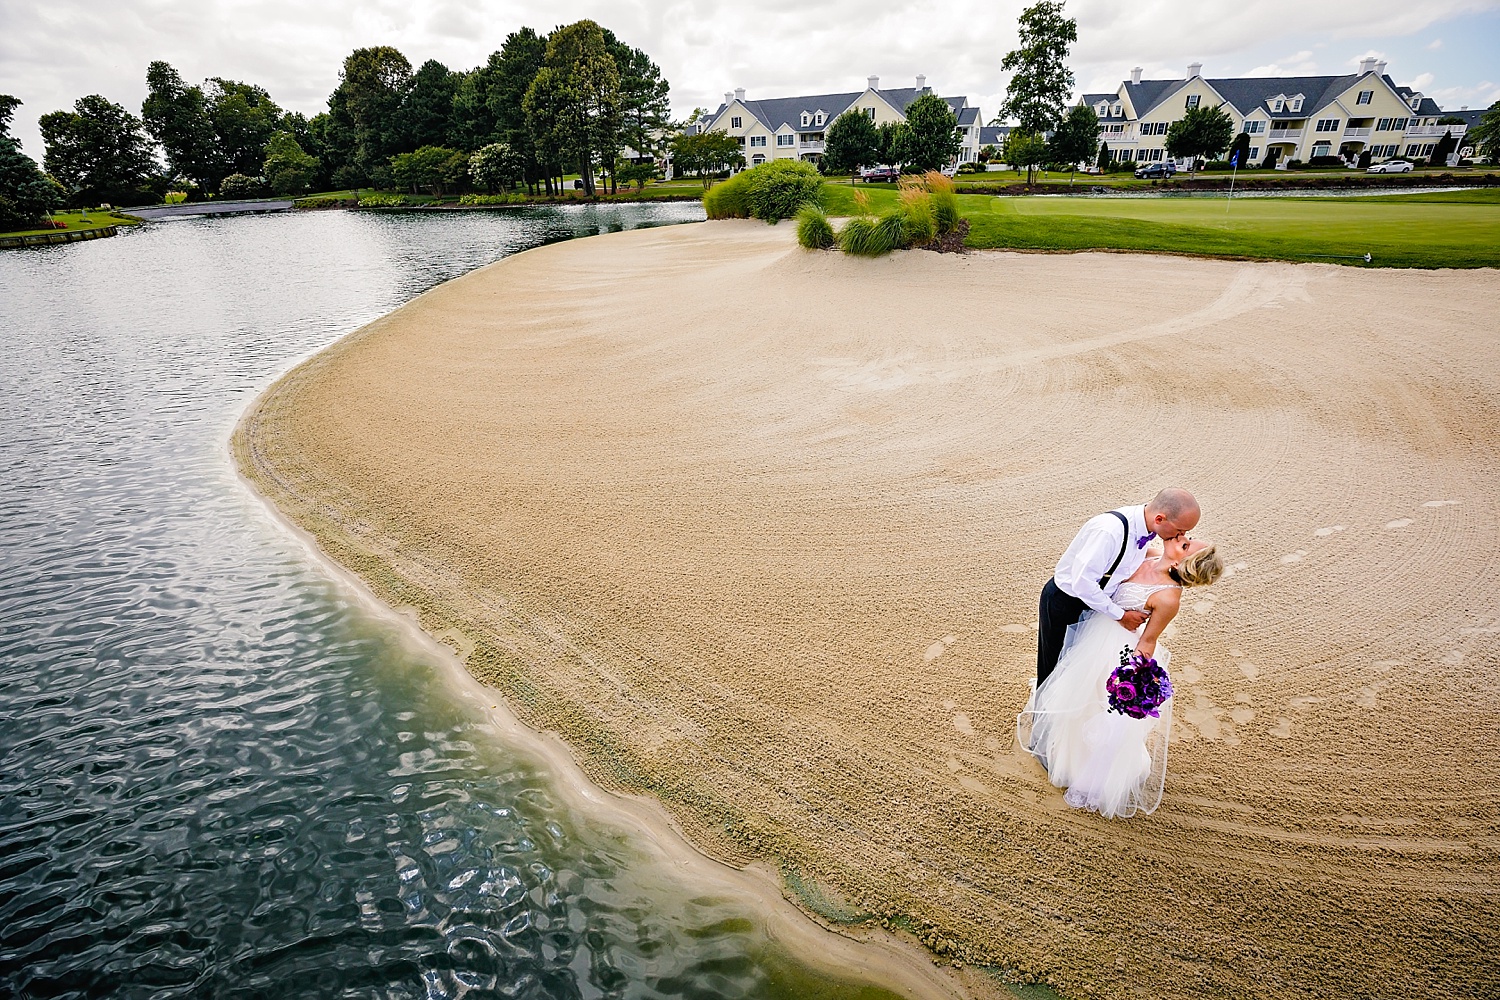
{"x": 1107, "y": 550}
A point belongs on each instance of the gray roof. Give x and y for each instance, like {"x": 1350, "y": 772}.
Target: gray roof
{"x": 1471, "y": 118}
{"x": 967, "y": 116}
{"x": 780, "y": 111}
{"x": 993, "y": 135}
{"x": 1249, "y": 93}
{"x": 1092, "y": 99}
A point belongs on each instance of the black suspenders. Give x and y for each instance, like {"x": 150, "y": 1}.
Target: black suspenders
{"x": 1124, "y": 524}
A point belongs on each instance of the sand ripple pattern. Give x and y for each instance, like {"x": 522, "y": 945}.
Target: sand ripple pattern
{"x": 217, "y": 778}
{"x": 761, "y": 532}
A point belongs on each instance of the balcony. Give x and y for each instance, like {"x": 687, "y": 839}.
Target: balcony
{"x": 1434, "y": 131}
{"x": 1358, "y": 133}
{"x": 1282, "y": 134}
{"x": 810, "y": 146}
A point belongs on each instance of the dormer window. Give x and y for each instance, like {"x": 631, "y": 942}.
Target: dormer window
{"x": 806, "y": 118}
{"x": 1277, "y": 104}
{"x": 819, "y": 118}
{"x": 1192, "y": 100}
{"x": 1294, "y": 103}
{"x": 1118, "y": 111}
{"x": 1101, "y": 109}
{"x": 1416, "y": 101}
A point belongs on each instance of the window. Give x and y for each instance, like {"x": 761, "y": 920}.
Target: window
{"x": 1192, "y": 100}
{"x": 786, "y": 140}
{"x": 1328, "y": 124}
{"x": 1118, "y": 111}
{"x": 1276, "y": 104}
{"x": 1254, "y": 127}
{"x": 1102, "y": 109}
{"x": 757, "y": 140}
{"x": 1254, "y": 153}
{"x": 1321, "y": 148}
{"x": 1365, "y": 97}
{"x": 806, "y": 118}
{"x": 1281, "y": 126}
{"x": 757, "y": 160}
{"x": 1294, "y": 103}
{"x": 736, "y": 123}
{"x": 819, "y": 118}
{"x": 870, "y": 113}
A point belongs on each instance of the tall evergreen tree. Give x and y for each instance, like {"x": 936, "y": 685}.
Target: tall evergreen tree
{"x": 176, "y": 116}
{"x": 426, "y": 115}
{"x": 473, "y": 123}
{"x": 514, "y": 68}
{"x": 98, "y": 151}
{"x": 645, "y": 99}
{"x": 26, "y": 194}
{"x": 1041, "y": 81}
{"x": 573, "y": 105}
{"x": 373, "y": 84}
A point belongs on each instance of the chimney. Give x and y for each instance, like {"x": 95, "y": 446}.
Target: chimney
{"x": 921, "y": 82}
{"x": 728, "y": 98}
{"x": 1135, "y": 75}
{"x": 874, "y": 82}
{"x": 739, "y": 93}
{"x": 1380, "y": 68}
{"x": 1194, "y": 70}
{"x": 1367, "y": 66}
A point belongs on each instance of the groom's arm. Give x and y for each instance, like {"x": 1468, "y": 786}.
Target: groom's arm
{"x": 1086, "y": 560}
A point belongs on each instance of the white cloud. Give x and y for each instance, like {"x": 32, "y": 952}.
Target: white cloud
{"x": 55, "y": 51}
{"x": 1434, "y": 45}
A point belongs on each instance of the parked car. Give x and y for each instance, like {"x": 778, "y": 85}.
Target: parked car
{"x": 1389, "y": 167}
{"x": 880, "y": 175}
{"x": 1164, "y": 169}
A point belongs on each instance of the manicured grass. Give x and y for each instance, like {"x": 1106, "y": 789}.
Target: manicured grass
{"x": 1397, "y": 231}
{"x": 96, "y": 219}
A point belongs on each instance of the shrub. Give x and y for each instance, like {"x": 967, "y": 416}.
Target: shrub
{"x": 918, "y": 221}
{"x": 382, "y": 201}
{"x": 1123, "y": 165}
{"x": 491, "y": 199}
{"x": 944, "y": 201}
{"x": 1326, "y": 161}
{"x": 1294, "y": 164}
{"x": 729, "y": 199}
{"x": 772, "y": 192}
{"x": 970, "y": 168}
{"x": 813, "y": 229}
{"x": 1216, "y": 165}
{"x": 859, "y": 237}
{"x": 326, "y": 201}
{"x": 239, "y": 186}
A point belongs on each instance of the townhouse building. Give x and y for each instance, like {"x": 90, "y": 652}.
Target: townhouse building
{"x": 1286, "y": 118}
{"x": 796, "y": 127}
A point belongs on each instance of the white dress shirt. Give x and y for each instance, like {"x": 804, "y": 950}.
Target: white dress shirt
{"x": 1092, "y": 551}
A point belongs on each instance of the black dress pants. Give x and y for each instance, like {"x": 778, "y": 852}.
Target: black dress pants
{"x": 1056, "y": 612}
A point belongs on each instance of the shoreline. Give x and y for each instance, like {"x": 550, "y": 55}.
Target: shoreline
{"x": 751, "y": 573}
{"x": 868, "y": 955}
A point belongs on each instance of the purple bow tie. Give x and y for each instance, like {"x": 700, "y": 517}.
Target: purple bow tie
{"x": 1140, "y": 543}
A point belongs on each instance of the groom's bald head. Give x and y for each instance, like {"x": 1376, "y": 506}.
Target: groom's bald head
{"x": 1173, "y": 512}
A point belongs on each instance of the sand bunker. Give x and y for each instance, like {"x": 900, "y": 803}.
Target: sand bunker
{"x": 760, "y": 531}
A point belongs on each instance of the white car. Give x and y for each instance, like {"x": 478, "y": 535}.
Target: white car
{"x": 1389, "y": 167}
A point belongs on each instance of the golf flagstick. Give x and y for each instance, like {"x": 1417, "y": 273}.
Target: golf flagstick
{"x": 1234, "y": 169}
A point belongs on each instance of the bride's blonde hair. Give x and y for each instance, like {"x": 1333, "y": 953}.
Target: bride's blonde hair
{"x": 1199, "y": 569}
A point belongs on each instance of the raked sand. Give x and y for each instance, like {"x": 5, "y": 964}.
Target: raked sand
{"x": 760, "y": 532}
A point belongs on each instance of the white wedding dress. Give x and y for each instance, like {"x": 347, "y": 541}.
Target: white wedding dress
{"x": 1110, "y": 763}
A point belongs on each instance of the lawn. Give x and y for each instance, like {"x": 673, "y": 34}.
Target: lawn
{"x": 74, "y": 221}
{"x": 1444, "y": 229}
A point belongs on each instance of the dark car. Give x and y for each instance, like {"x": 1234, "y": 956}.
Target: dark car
{"x": 1163, "y": 169}
{"x": 880, "y": 175}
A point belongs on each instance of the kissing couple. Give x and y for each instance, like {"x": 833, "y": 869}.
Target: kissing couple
{"x": 1100, "y": 713}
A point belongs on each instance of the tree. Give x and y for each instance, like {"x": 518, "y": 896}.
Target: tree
{"x": 706, "y": 153}
{"x": 513, "y": 69}
{"x": 1075, "y": 139}
{"x": 473, "y": 123}
{"x": 633, "y": 173}
{"x": 1041, "y": 81}
{"x": 176, "y": 116}
{"x": 889, "y": 147}
{"x": 1025, "y": 149}
{"x": 645, "y": 99}
{"x": 98, "y": 151}
{"x": 1241, "y": 149}
{"x": 288, "y": 168}
{"x": 432, "y": 167}
{"x": 1442, "y": 149}
{"x": 367, "y": 102}
{"x": 496, "y": 166}
{"x": 573, "y": 105}
{"x": 244, "y": 118}
{"x": 1486, "y": 135}
{"x": 26, "y": 194}
{"x": 1103, "y": 162}
{"x": 851, "y": 143}
{"x": 1201, "y": 131}
{"x": 425, "y": 117}
{"x": 930, "y": 139}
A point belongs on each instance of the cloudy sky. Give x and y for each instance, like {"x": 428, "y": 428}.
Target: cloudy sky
{"x": 54, "y": 51}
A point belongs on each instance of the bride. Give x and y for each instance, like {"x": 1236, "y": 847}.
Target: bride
{"x": 1113, "y": 764}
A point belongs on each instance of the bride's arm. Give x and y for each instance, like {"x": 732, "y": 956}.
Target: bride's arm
{"x": 1163, "y": 606}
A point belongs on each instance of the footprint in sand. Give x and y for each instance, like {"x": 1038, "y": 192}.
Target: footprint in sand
{"x": 1397, "y": 524}
{"x": 1294, "y": 557}
{"x": 1250, "y": 670}
{"x": 1325, "y": 532}
{"x": 1190, "y": 671}
{"x": 962, "y": 724}
{"x": 1015, "y": 628}
{"x": 1303, "y": 702}
{"x": 1453, "y": 657}
{"x": 1440, "y": 503}
{"x": 1365, "y": 698}
{"x": 1241, "y": 714}
{"x": 1204, "y": 606}
{"x": 938, "y": 648}
{"x": 1384, "y": 666}
{"x": 1282, "y": 729}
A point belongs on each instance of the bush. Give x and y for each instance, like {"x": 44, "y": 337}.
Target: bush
{"x": 382, "y": 201}
{"x": 239, "y": 186}
{"x": 1326, "y": 161}
{"x": 772, "y": 192}
{"x": 813, "y": 229}
{"x": 970, "y": 168}
{"x": 1294, "y": 164}
{"x": 944, "y": 201}
{"x": 325, "y": 201}
{"x": 1120, "y": 166}
{"x": 492, "y": 199}
{"x": 1216, "y": 165}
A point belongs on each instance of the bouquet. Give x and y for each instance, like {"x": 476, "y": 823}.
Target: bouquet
{"x": 1138, "y": 686}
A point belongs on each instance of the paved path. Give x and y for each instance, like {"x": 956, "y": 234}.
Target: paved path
{"x": 153, "y": 212}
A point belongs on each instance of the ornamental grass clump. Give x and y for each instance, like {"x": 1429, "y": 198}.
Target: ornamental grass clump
{"x": 814, "y": 230}
{"x": 919, "y": 222}
{"x": 944, "y": 201}
{"x": 865, "y": 236}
